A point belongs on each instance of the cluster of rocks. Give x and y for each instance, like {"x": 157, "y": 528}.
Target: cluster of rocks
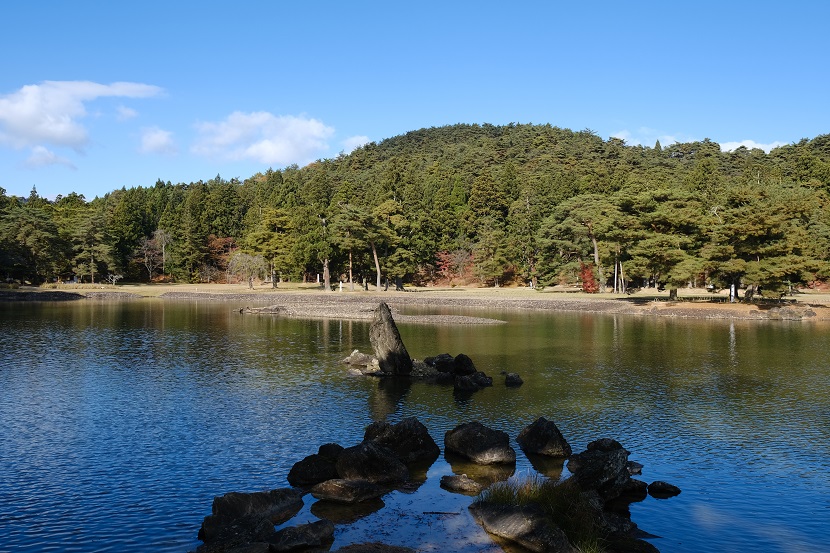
{"x": 392, "y": 359}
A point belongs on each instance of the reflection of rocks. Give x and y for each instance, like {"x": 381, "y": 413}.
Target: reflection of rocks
{"x": 409, "y": 440}
{"x": 387, "y": 344}
{"x": 316, "y": 468}
{"x": 480, "y": 444}
{"x": 526, "y": 525}
{"x": 543, "y": 438}
{"x": 483, "y": 474}
{"x": 374, "y": 548}
{"x": 387, "y": 396}
{"x": 241, "y": 518}
{"x": 303, "y": 537}
{"x": 461, "y": 484}
{"x": 342, "y": 513}
{"x": 551, "y": 467}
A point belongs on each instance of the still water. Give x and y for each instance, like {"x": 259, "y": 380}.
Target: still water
{"x": 119, "y": 422}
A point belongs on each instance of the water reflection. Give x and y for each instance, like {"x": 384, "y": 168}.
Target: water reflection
{"x": 122, "y": 421}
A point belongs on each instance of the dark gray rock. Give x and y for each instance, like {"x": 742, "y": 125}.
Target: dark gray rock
{"x": 346, "y": 513}
{"x": 463, "y": 365}
{"x": 482, "y": 380}
{"x": 602, "y": 467}
{"x": 346, "y": 491}
{"x": 513, "y": 380}
{"x": 480, "y": 444}
{"x": 461, "y": 484}
{"x": 526, "y": 525}
{"x": 408, "y": 439}
{"x": 387, "y": 344}
{"x": 543, "y": 438}
{"x": 444, "y": 363}
{"x": 465, "y": 384}
{"x": 242, "y": 518}
{"x": 634, "y": 468}
{"x": 373, "y": 462}
{"x": 662, "y": 490}
{"x": 316, "y": 468}
{"x": 305, "y": 536}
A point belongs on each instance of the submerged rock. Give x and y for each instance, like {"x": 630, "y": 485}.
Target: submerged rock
{"x": 480, "y": 444}
{"x": 662, "y": 490}
{"x": 387, "y": 344}
{"x": 513, "y": 380}
{"x": 346, "y": 491}
{"x": 461, "y": 484}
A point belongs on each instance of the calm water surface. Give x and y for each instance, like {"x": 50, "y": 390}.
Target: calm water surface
{"x": 119, "y": 422}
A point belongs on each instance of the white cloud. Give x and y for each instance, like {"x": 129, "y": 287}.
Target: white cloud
{"x": 263, "y": 137}
{"x": 125, "y": 113}
{"x": 750, "y": 144}
{"x": 41, "y": 157}
{"x": 645, "y": 136}
{"x": 354, "y": 142}
{"x": 49, "y": 112}
{"x": 157, "y": 141}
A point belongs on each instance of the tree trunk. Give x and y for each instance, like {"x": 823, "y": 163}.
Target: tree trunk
{"x": 377, "y": 262}
{"x": 673, "y": 294}
{"x": 596, "y": 260}
{"x": 351, "y": 280}
{"x": 326, "y": 277}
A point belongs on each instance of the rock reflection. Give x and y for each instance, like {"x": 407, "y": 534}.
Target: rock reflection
{"x": 483, "y": 474}
{"x": 551, "y": 467}
{"x": 388, "y": 396}
{"x": 340, "y": 513}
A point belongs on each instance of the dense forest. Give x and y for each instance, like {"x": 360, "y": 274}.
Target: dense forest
{"x": 516, "y": 204}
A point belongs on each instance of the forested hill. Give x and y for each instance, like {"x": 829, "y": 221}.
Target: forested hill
{"x": 462, "y": 203}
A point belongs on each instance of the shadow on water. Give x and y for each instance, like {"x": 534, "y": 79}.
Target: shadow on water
{"x": 388, "y": 396}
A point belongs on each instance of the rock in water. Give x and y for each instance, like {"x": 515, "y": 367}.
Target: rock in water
{"x": 544, "y": 438}
{"x": 480, "y": 444}
{"x": 387, "y": 343}
{"x": 526, "y": 525}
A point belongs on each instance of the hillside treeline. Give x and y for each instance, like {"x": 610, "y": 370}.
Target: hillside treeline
{"x": 525, "y": 204}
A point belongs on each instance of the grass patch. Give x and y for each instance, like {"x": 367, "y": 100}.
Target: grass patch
{"x": 568, "y": 508}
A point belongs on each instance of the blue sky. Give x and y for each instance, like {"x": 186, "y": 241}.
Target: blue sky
{"x": 96, "y": 96}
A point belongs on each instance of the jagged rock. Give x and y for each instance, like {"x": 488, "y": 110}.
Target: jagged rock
{"x": 543, "y": 438}
{"x": 465, "y": 384}
{"x": 526, "y": 525}
{"x": 480, "y": 444}
{"x": 242, "y": 518}
{"x": 662, "y": 490}
{"x": 409, "y": 440}
{"x": 513, "y": 380}
{"x": 346, "y": 491}
{"x": 602, "y": 467}
{"x": 482, "y": 380}
{"x": 305, "y": 536}
{"x": 317, "y": 467}
{"x": 387, "y": 344}
{"x": 461, "y": 483}
{"x": 371, "y": 461}
{"x": 634, "y": 468}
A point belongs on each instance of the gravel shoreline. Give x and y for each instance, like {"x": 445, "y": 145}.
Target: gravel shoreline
{"x": 317, "y": 305}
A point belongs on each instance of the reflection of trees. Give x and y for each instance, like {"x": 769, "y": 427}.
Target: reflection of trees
{"x": 387, "y": 396}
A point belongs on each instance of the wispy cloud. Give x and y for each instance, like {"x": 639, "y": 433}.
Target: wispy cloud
{"x": 645, "y": 136}
{"x": 157, "y": 141}
{"x": 50, "y": 112}
{"x": 124, "y": 113}
{"x": 42, "y": 157}
{"x": 263, "y": 137}
{"x": 750, "y": 144}
{"x": 354, "y": 142}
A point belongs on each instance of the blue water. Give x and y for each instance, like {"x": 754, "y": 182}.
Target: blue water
{"x": 122, "y": 421}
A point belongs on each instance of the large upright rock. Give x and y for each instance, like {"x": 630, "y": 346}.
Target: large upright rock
{"x": 387, "y": 344}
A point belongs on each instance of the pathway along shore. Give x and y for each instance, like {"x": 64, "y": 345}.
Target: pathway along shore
{"x": 314, "y": 303}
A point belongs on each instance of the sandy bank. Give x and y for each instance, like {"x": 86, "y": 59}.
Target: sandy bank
{"x": 307, "y": 302}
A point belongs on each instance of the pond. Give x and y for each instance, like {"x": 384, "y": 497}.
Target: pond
{"x": 122, "y": 420}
